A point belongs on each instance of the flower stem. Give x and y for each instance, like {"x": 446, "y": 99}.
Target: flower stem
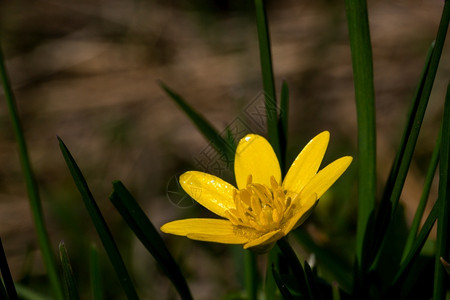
{"x": 251, "y": 275}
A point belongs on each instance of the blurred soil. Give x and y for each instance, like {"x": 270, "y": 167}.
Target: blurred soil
{"x": 89, "y": 72}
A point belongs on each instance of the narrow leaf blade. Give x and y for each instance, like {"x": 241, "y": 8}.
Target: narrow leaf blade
{"x": 361, "y": 50}
{"x": 69, "y": 279}
{"x": 208, "y": 131}
{"x": 442, "y": 235}
{"x": 31, "y": 184}
{"x": 265, "y": 53}
{"x": 144, "y": 230}
{"x": 281, "y": 285}
{"x": 95, "y": 274}
{"x": 99, "y": 224}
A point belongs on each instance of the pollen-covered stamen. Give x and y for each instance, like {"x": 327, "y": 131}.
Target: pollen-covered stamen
{"x": 264, "y": 208}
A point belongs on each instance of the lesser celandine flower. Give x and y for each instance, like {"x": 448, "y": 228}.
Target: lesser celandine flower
{"x": 262, "y": 209}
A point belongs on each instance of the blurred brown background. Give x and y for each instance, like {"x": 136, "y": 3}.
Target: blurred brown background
{"x": 89, "y": 71}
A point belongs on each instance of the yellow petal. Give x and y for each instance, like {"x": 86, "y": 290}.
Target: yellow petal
{"x": 322, "y": 181}
{"x": 255, "y": 156}
{"x": 210, "y": 191}
{"x": 224, "y": 239}
{"x": 266, "y": 239}
{"x": 306, "y": 164}
{"x": 199, "y": 226}
{"x": 300, "y": 214}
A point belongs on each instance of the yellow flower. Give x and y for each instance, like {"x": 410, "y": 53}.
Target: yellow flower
{"x": 263, "y": 208}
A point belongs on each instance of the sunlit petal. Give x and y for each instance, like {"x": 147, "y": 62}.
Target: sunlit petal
{"x": 210, "y": 191}
{"x": 255, "y": 156}
{"x": 306, "y": 164}
{"x": 199, "y": 226}
{"x": 322, "y": 181}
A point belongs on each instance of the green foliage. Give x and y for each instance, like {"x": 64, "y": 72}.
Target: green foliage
{"x": 144, "y": 230}
{"x": 443, "y": 202}
{"x": 390, "y": 260}
{"x": 100, "y": 224}
{"x": 359, "y": 34}
{"x": 69, "y": 279}
{"x": 31, "y": 185}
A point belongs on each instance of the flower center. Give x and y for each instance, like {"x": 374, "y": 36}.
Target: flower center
{"x": 260, "y": 207}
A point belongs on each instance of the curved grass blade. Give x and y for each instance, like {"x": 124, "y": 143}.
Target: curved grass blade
{"x": 424, "y": 197}
{"x": 398, "y": 174}
{"x": 361, "y": 50}
{"x": 268, "y": 78}
{"x": 95, "y": 276}
{"x": 99, "y": 223}
{"x": 281, "y": 285}
{"x": 443, "y": 228}
{"x": 69, "y": 279}
{"x": 144, "y": 230}
{"x": 208, "y": 131}
{"x": 415, "y": 249}
{"x": 9, "y": 289}
{"x": 400, "y": 166}
{"x": 32, "y": 187}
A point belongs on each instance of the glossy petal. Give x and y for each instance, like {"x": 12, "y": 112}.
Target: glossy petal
{"x": 255, "y": 156}
{"x": 322, "y": 181}
{"x": 300, "y": 214}
{"x": 210, "y": 191}
{"x": 306, "y": 164}
{"x": 199, "y": 226}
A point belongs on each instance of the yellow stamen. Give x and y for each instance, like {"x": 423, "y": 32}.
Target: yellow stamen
{"x": 263, "y": 208}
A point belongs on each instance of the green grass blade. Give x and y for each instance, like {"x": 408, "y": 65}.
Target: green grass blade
{"x": 95, "y": 274}
{"x": 424, "y": 197}
{"x": 416, "y": 248}
{"x": 361, "y": 49}
{"x": 267, "y": 75}
{"x": 144, "y": 230}
{"x": 283, "y": 124}
{"x": 9, "y": 289}
{"x": 69, "y": 279}
{"x": 281, "y": 285}
{"x": 400, "y": 166}
{"x": 32, "y": 187}
{"x": 208, "y": 131}
{"x": 394, "y": 185}
{"x": 442, "y": 238}
{"x": 99, "y": 223}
